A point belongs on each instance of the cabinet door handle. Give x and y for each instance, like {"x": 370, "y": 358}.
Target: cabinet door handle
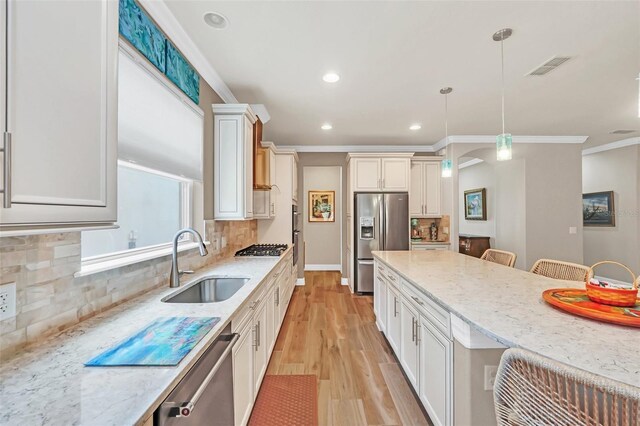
{"x": 258, "y": 335}
{"x": 418, "y": 301}
{"x": 278, "y": 296}
{"x": 255, "y": 336}
{"x": 6, "y": 177}
{"x": 413, "y": 329}
{"x": 417, "y": 333}
{"x": 395, "y": 306}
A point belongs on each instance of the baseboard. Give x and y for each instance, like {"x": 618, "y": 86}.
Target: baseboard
{"x": 300, "y": 281}
{"x": 319, "y": 267}
{"x": 344, "y": 281}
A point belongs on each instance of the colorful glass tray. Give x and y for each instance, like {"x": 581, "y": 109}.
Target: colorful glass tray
{"x": 575, "y": 301}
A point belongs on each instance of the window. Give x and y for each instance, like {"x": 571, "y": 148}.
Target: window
{"x": 160, "y": 144}
{"x": 152, "y": 206}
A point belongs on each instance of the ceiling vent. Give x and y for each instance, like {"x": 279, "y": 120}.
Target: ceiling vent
{"x": 622, "y": 132}
{"x": 550, "y": 65}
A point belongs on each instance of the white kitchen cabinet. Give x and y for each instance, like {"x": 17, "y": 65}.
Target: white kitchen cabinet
{"x": 367, "y": 174}
{"x": 233, "y": 161}
{"x": 61, "y": 105}
{"x": 379, "y": 172}
{"x": 436, "y": 358}
{"x": 425, "y": 194}
{"x": 263, "y": 206}
{"x": 395, "y": 174}
{"x": 261, "y": 355}
{"x": 243, "y": 382}
{"x": 380, "y": 301}
{"x": 273, "y": 317}
{"x": 294, "y": 177}
{"x": 409, "y": 348}
{"x": 393, "y": 319}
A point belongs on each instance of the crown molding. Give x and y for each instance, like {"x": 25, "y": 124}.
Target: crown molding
{"x": 179, "y": 37}
{"x": 442, "y": 143}
{"x": 362, "y": 148}
{"x": 470, "y": 163}
{"x": 613, "y": 145}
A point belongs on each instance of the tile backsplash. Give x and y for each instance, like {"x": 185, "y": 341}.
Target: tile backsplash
{"x": 443, "y": 225}
{"x": 49, "y": 298}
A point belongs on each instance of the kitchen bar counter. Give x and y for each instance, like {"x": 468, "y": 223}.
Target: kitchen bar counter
{"x": 48, "y": 384}
{"x": 506, "y": 305}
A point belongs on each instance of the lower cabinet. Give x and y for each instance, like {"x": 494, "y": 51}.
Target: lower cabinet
{"x": 243, "y": 383}
{"x": 380, "y": 302}
{"x": 436, "y": 359}
{"x": 409, "y": 348}
{"x": 393, "y": 319}
{"x": 419, "y": 331}
{"x": 261, "y": 357}
{"x": 258, "y": 327}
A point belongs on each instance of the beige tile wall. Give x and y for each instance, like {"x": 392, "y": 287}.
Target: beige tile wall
{"x": 50, "y": 298}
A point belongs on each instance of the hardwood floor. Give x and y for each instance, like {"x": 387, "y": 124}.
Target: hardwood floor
{"x": 331, "y": 333}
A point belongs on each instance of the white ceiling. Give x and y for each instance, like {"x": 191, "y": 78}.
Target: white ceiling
{"x": 393, "y": 57}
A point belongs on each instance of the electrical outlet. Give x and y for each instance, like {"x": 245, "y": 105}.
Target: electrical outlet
{"x": 224, "y": 242}
{"x": 573, "y": 230}
{"x": 7, "y": 301}
{"x": 490, "y": 372}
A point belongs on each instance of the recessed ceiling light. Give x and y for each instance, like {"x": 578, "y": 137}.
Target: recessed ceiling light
{"x": 326, "y": 126}
{"x": 415, "y": 127}
{"x": 331, "y": 77}
{"x": 216, "y": 20}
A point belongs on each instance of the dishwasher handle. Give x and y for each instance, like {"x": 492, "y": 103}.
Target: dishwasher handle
{"x": 186, "y": 408}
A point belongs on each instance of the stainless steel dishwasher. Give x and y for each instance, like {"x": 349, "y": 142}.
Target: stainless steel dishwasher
{"x": 205, "y": 394}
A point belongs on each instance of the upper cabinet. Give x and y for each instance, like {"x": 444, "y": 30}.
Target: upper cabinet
{"x": 233, "y": 161}
{"x": 59, "y": 85}
{"x": 380, "y": 172}
{"x": 261, "y": 160}
{"x": 424, "y": 198}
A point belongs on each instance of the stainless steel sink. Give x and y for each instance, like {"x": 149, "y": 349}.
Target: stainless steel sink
{"x": 208, "y": 290}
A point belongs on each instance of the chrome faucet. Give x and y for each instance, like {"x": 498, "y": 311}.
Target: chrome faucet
{"x": 174, "y": 278}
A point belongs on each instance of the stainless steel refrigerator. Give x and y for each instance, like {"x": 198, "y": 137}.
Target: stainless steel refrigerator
{"x": 381, "y": 223}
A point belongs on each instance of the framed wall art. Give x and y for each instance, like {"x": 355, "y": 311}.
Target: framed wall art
{"x": 322, "y": 206}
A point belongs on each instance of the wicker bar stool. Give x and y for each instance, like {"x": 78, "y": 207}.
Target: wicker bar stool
{"x": 499, "y": 256}
{"x": 560, "y": 270}
{"x": 534, "y": 390}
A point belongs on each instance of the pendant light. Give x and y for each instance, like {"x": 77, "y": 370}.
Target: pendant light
{"x": 503, "y": 141}
{"x": 446, "y": 163}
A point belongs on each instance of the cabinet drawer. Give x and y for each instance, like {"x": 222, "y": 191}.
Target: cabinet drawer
{"x": 246, "y": 312}
{"x": 438, "y": 316}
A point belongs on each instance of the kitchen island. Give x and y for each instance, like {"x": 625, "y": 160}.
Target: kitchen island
{"x": 434, "y": 300}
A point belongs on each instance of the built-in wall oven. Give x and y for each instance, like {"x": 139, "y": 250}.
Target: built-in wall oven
{"x": 295, "y": 221}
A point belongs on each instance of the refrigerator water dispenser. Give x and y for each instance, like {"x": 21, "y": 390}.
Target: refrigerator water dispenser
{"x": 366, "y": 228}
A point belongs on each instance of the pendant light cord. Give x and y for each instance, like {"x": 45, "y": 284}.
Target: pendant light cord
{"x": 502, "y": 69}
{"x": 446, "y": 118}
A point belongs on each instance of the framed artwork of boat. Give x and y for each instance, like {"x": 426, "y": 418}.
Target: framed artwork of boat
{"x": 598, "y": 209}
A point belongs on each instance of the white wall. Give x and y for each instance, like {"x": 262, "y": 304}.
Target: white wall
{"x": 480, "y": 175}
{"x": 323, "y": 240}
{"x": 616, "y": 170}
{"x": 511, "y": 210}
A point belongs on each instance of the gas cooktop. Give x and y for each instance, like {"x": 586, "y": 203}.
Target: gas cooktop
{"x": 274, "y": 250}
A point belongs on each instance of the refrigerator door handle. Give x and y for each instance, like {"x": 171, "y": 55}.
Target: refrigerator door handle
{"x": 382, "y": 224}
{"x": 365, "y": 262}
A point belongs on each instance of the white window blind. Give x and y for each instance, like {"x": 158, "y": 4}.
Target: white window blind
{"x": 157, "y": 128}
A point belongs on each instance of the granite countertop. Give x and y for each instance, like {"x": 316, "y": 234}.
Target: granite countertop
{"x": 506, "y": 304}
{"x": 48, "y": 383}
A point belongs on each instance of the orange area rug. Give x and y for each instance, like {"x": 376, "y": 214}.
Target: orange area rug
{"x": 286, "y": 401}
